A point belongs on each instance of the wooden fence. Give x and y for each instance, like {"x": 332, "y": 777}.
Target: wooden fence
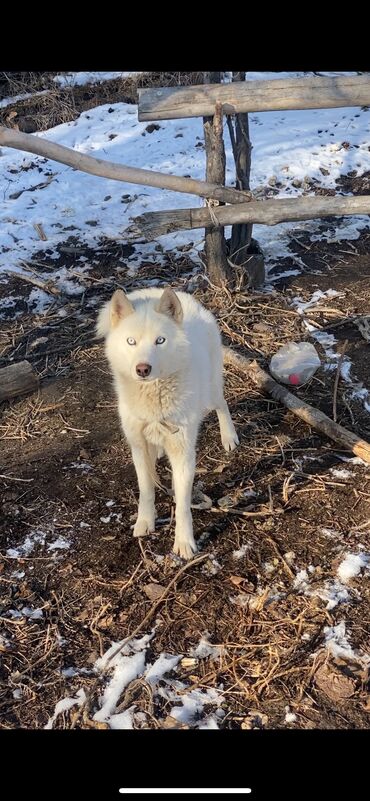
{"x": 213, "y": 101}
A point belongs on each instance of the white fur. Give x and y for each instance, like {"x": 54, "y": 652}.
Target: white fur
{"x": 164, "y": 411}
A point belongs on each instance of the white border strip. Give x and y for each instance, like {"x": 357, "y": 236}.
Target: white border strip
{"x": 185, "y": 790}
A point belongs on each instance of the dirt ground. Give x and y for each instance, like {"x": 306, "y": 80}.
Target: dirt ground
{"x": 66, "y": 476}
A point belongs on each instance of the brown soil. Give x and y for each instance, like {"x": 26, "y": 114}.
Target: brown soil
{"x": 63, "y": 458}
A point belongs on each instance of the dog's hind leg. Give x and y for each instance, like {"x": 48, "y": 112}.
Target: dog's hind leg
{"x": 229, "y": 437}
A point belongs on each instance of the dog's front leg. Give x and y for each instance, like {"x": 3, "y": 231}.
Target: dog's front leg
{"x": 143, "y": 456}
{"x": 183, "y": 467}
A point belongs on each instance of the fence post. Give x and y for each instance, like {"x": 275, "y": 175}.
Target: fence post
{"x": 215, "y": 245}
{"x": 244, "y": 250}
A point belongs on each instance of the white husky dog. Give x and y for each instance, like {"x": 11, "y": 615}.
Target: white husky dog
{"x": 165, "y": 352}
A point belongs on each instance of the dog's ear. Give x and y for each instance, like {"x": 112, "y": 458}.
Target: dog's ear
{"x": 120, "y": 307}
{"x": 170, "y": 305}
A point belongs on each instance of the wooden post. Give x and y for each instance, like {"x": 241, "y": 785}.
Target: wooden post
{"x": 241, "y": 235}
{"x": 17, "y": 379}
{"x": 215, "y": 246}
{"x": 244, "y": 250}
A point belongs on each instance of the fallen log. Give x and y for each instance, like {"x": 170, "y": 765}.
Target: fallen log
{"x": 118, "y": 172}
{"x": 313, "y": 417}
{"x": 153, "y": 224}
{"x": 17, "y": 379}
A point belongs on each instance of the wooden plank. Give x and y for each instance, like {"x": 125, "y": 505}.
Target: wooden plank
{"x": 266, "y": 212}
{"x": 17, "y": 379}
{"x": 117, "y": 172}
{"x": 281, "y": 94}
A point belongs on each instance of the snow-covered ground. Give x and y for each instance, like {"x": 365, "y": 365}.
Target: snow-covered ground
{"x": 124, "y": 662}
{"x": 192, "y": 706}
{"x": 288, "y": 147}
{"x": 83, "y": 78}
{"x": 328, "y": 342}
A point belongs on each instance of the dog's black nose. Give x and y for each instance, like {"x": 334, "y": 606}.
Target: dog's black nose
{"x": 143, "y": 370}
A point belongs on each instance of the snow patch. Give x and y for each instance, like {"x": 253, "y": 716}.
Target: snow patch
{"x": 352, "y": 565}
{"x": 64, "y": 705}
{"x": 337, "y": 644}
{"x": 240, "y": 553}
{"x": 83, "y": 78}
{"x": 128, "y": 664}
{"x": 340, "y": 473}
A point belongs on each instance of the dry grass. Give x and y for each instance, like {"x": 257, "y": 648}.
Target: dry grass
{"x": 50, "y": 105}
{"x": 270, "y": 635}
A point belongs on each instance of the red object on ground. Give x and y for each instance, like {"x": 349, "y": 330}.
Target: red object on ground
{"x": 294, "y": 378}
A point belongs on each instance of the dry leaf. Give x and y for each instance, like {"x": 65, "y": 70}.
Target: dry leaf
{"x": 171, "y": 723}
{"x": 263, "y": 328}
{"x": 188, "y": 662}
{"x": 227, "y": 502}
{"x": 105, "y": 622}
{"x": 254, "y": 669}
{"x": 333, "y": 683}
{"x": 243, "y": 584}
{"x": 220, "y": 468}
{"x": 153, "y": 591}
{"x": 255, "y": 720}
{"x": 95, "y": 724}
{"x": 82, "y": 616}
{"x": 257, "y": 602}
{"x": 84, "y": 454}
{"x": 91, "y": 659}
{"x": 236, "y": 580}
{"x": 354, "y": 669}
{"x": 200, "y": 500}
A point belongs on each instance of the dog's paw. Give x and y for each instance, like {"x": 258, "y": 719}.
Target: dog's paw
{"x": 230, "y": 441}
{"x": 143, "y": 527}
{"x": 185, "y": 548}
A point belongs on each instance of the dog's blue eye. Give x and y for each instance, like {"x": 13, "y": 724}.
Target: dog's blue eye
{"x": 131, "y": 341}
{"x": 160, "y": 341}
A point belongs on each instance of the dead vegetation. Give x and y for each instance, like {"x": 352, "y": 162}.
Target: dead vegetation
{"x": 271, "y": 503}
{"x": 277, "y": 508}
{"x": 49, "y": 104}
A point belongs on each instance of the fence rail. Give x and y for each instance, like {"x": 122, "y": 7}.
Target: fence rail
{"x": 285, "y": 94}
